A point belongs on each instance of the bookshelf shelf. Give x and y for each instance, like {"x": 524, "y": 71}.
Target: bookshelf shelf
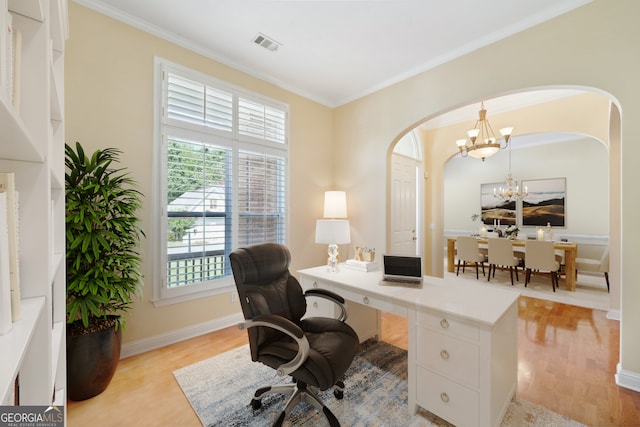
{"x": 18, "y": 340}
{"x": 13, "y": 129}
{"x": 32, "y": 147}
{"x": 30, "y": 8}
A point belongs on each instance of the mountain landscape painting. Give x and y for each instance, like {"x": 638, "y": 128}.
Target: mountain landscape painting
{"x": 545, "y": 202}
{"x": 494, "y": 208}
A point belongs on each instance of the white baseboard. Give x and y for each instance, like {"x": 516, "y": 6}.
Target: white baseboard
{"x": 140, "y": 346}
{"x": 627, "y": 379}
{"x": 613, "y": 314}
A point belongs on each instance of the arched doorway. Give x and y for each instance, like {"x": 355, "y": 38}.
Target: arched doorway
{"x": 584, "y": 111}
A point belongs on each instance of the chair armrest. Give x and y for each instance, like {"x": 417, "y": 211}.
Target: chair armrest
{"x": 287, "y": 327}
{"x": 331, "y": 296}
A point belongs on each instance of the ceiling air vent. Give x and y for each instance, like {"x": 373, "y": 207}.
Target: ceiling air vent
{"x": 266, "y": 42}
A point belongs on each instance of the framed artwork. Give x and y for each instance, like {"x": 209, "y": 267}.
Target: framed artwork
{"x": 545, "y": 202}
{"x": 495, "y": 209}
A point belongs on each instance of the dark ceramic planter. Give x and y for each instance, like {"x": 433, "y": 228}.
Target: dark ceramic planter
{"x": 91, "y": 362}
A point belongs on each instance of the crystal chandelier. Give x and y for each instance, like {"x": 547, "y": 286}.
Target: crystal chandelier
{"x": 511, "y": 192}
{"x": 482, "y": 141}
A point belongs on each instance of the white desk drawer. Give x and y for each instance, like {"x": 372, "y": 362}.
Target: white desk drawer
{"x": 306, "y": 284}
{"x": 316, "y": 306}
{"x": 447, "y": 399}
{"x": 448, "y": 325}
{"x": 320, "y": 307}
{"x": 450, "y": 356}
{"x": 374, "y": 302}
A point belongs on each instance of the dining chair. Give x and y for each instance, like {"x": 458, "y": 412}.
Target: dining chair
{"x": 600, "y": 265}
{"x": 540, "y": 256}
{"x": 501, "y": 253}
{"x": 468, "y": 251}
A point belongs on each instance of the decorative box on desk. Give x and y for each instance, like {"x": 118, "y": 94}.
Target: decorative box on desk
{"x": 355, "y": 264}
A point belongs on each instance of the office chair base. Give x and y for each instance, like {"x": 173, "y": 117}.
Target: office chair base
{"x": 300, "y": 393}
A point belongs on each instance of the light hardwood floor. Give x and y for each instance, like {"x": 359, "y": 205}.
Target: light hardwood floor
{"x": 567, "y": 359}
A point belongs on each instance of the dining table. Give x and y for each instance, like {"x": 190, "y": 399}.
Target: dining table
{"x": 570, "y": 249}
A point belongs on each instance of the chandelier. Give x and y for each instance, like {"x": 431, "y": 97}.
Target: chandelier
{"x": 482, "y": 141}
{"x": 511, "y": 192}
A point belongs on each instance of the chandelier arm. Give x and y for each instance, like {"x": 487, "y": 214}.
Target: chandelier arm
{"x": 490, "y": 128}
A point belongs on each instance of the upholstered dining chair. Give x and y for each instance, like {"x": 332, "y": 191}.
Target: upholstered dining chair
{"x": 501, "y": 253}
{"x": 468, "y": 251}
{"x": 600, "y": 265}
{"x": 540, "y": 256}
{"x": 314, "y": 351}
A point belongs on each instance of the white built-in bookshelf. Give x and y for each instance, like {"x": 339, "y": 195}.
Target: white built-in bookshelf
{"x": 32, "y": 147}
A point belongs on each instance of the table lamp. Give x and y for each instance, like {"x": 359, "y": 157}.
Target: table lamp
{"x": 333, "y": 230}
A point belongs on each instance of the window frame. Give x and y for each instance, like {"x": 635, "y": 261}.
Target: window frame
{"x": 164, "y": 128}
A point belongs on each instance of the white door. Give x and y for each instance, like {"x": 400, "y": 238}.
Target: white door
{"x": 404, "y": 231}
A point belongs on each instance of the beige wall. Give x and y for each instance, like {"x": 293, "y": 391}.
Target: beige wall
{"x": 109, "y": 103}
{"x": 583, "y": 162}
{"x": 591, "y": 47}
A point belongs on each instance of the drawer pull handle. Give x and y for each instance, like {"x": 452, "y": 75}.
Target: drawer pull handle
{"x": 365, "y": 300}
{"x": 444, "y": 397}
{"x": 315, "y": 305}
{"x": 315, "y": 284}
{"x": 444, "y": 354}
{"x": 444, "y": 323}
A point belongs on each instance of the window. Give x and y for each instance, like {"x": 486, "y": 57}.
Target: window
{"x": 222, "y": 179}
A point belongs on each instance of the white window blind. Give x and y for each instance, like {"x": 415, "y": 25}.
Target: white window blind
{"x": 260, "y": 121}
{"x": 224, "y": 162}
{"x": 260, "y": 198}
{"x": 197, "y": 103}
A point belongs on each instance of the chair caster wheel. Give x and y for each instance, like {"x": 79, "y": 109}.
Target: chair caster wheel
{"x": 339, "y": 394}
{"x": 256, "y": 403}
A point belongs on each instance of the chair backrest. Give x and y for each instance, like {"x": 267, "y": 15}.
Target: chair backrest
{"x": 604, "y": 261}
{"x": 589, "y": 252}
{"x": 265, "y": 286}
{"x": 467, "y": 248}
{"x": 501, "y": 252}
{"x": 540, "y": 255}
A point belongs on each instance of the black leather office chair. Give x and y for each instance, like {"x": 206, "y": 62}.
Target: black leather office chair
{"x": 315, "y": 351}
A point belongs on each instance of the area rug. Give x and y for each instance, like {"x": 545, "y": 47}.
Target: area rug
{"x": 220, "y": 391}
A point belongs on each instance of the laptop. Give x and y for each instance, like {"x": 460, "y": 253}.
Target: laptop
{"x": 402, "y": 270}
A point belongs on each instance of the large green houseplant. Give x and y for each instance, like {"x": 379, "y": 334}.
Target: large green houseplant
{"x": 103, "y": 274}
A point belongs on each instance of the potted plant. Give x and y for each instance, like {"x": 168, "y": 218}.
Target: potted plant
{"x": 103, "y": 274}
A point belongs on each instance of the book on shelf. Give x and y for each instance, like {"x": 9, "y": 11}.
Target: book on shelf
{"x": 10, "y": 60}
{"x": 8, "y": 56}
{"x": 16, "y": 68}
{"x": 361, "y": 265}
{"x": 5, "y": 280}
{"x": 7, "y": 186}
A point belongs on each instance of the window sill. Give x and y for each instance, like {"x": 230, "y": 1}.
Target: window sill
{"x": 162, "y": 302}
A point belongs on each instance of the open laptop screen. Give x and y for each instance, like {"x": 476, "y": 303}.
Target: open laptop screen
{"x": 396, "y": 266}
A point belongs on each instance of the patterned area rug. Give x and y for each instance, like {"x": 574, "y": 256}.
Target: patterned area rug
{"x": 220, "y": 391}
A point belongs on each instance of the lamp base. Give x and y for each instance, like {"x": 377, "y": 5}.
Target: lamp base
{"x": 332, "y": 262}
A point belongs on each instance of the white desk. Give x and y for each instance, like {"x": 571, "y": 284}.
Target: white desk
{"x": 462, "y": 355}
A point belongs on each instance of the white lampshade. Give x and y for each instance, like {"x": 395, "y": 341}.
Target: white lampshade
{"x": 333, "y": 231}
{"x": 335, "y": 204}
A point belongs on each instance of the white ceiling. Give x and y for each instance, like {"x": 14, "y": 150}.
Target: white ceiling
{"x": 333, "y": 51}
